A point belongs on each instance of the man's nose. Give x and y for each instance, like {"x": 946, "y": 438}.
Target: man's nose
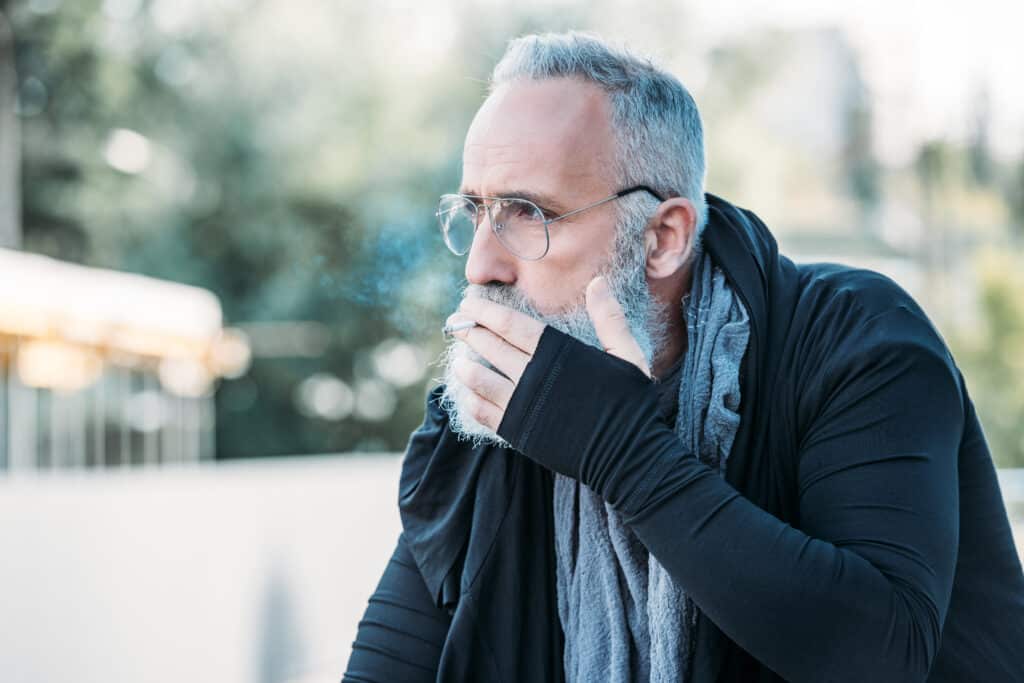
{"x": 488, "y": 260}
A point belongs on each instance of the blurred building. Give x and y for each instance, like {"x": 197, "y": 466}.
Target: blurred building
{"x": 101, "y": 368}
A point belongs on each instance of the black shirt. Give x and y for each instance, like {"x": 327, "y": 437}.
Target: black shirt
{"x": 402, "y": 633}
{"x": 667, "y": 387}
{"x": 859, "y": 533}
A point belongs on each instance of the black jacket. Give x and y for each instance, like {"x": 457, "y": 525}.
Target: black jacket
{"x": 859, "y": 533}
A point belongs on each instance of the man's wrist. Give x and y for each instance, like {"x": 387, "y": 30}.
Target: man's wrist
{"x": 580, "y": 411}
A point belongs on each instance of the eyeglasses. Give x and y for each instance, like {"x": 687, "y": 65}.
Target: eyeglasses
{"x": 520, "y": 225}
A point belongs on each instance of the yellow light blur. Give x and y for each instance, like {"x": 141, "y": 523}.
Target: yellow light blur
{"x": 21, "y": 321}
{"x": 82, "y": 316}
{"x": 50, "y": 364}
{"x": 143, "y": 342}
{"x": 185, "y": 377}
{"x": 230, "y": 354}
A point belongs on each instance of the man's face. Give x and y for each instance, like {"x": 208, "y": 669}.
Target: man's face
{"x": 551, "y": 142}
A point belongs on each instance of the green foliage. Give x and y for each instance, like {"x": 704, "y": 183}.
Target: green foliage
{"x": 1015, "y": 198}
{"x": 297, "y": 182}
{"x": 282, "y": 192}
{"x": 992, "y": 356}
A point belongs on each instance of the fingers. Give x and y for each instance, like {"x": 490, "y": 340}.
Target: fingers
{"x": 508, "y": 359}
{"x": 611, "y": 324}
{"x": 483, "y": 411}
{"x": 491, "y": 390}
{"x": 518, "y": 329}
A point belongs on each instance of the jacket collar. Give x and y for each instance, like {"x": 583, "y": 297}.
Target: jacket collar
{"x": 742, "y": 246}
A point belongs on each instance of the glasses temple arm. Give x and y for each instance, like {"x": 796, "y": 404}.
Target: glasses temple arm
{"x": 640, "y": 188}
{"x": 617, "y": 195}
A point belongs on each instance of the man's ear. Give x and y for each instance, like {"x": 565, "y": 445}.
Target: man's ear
{"x": 668, "y": 239}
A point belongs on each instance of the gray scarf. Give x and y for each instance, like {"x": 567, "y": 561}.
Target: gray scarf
{"x": 624, "y": 618}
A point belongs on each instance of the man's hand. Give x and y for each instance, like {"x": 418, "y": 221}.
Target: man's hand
{"x": 508, "y": 339}
{"x": 611, "y": 325}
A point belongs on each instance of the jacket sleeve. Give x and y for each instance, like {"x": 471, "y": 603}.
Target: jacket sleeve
{"x": 860, "y": 590}
{"x": 402, "y": 633}
{"x": 403, "y": 630}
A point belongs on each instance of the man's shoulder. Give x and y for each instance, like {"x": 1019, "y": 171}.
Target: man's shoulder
{"x": 863, "y": 290}
{"x": 424, "y": 440}
{"x": 841, "y": 313}
{"x": 853, "y": 332}
{"x": 435, "y": 417}
{"x": 841, "y": 299}
{"x": 435, "y": 439}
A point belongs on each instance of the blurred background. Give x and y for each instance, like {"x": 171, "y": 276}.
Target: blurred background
{"x": 222, "y": 284}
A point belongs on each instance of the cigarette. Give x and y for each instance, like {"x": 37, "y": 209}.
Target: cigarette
{"x": 464, "y": 325}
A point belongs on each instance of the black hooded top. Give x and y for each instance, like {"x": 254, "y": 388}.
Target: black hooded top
{"x": 859, "y": 532}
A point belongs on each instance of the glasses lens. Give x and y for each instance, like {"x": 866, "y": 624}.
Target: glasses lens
{"x": 457, "y": 216}
{"x": 520, "y": 226}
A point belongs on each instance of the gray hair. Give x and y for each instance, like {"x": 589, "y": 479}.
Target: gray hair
{"x": 658, "y": 130}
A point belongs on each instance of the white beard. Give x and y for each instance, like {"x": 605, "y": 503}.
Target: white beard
{"x": 626, "y": 277}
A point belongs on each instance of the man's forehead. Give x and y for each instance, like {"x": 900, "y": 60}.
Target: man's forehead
{"x": 551, "y": 133}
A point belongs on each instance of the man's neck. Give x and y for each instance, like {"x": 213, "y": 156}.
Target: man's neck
{"x": 670, "y": 292}
{"x": 673, "y": 350}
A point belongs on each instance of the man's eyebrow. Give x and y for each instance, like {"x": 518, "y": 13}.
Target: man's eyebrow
{"x": 540, "y": 199}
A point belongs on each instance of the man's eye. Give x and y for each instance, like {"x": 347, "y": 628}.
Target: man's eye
{"x": 544, "y": 212}
{"x": 531, "y": 213}
{"x": 525, "y": 211}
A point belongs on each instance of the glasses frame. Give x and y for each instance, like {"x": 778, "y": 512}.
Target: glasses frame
{"x": 547, "y": 221}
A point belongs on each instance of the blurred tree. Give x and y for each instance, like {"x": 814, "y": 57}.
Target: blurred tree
{"x": 979, "y": 154}
{"x": 860, "y": 168}
{"x": 992, "y": 356}
{"x": 1015, "y": 198}
{"x": 10, "y": 141}
{"x": 157, "y": 153}
{"x": 297, "y": 182}
{"x": 287, "y": 156}
{"x": 931, "y": 166}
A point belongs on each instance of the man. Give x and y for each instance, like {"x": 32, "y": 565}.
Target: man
{"x": 662, "y": 451}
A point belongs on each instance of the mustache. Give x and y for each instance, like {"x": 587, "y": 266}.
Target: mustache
{"x": 506, "y": 295}
{"x": 511, "y": 296}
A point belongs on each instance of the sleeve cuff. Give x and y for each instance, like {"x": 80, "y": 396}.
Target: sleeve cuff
{"x": 587, "y": 414}
{"x": 533, "y": 389}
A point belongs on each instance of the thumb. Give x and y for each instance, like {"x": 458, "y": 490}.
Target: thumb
{"x": 611, "y": 326}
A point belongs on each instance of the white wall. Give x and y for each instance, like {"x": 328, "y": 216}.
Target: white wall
{"x": 253, "y": 572}
{"x": 249, "y": 572}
